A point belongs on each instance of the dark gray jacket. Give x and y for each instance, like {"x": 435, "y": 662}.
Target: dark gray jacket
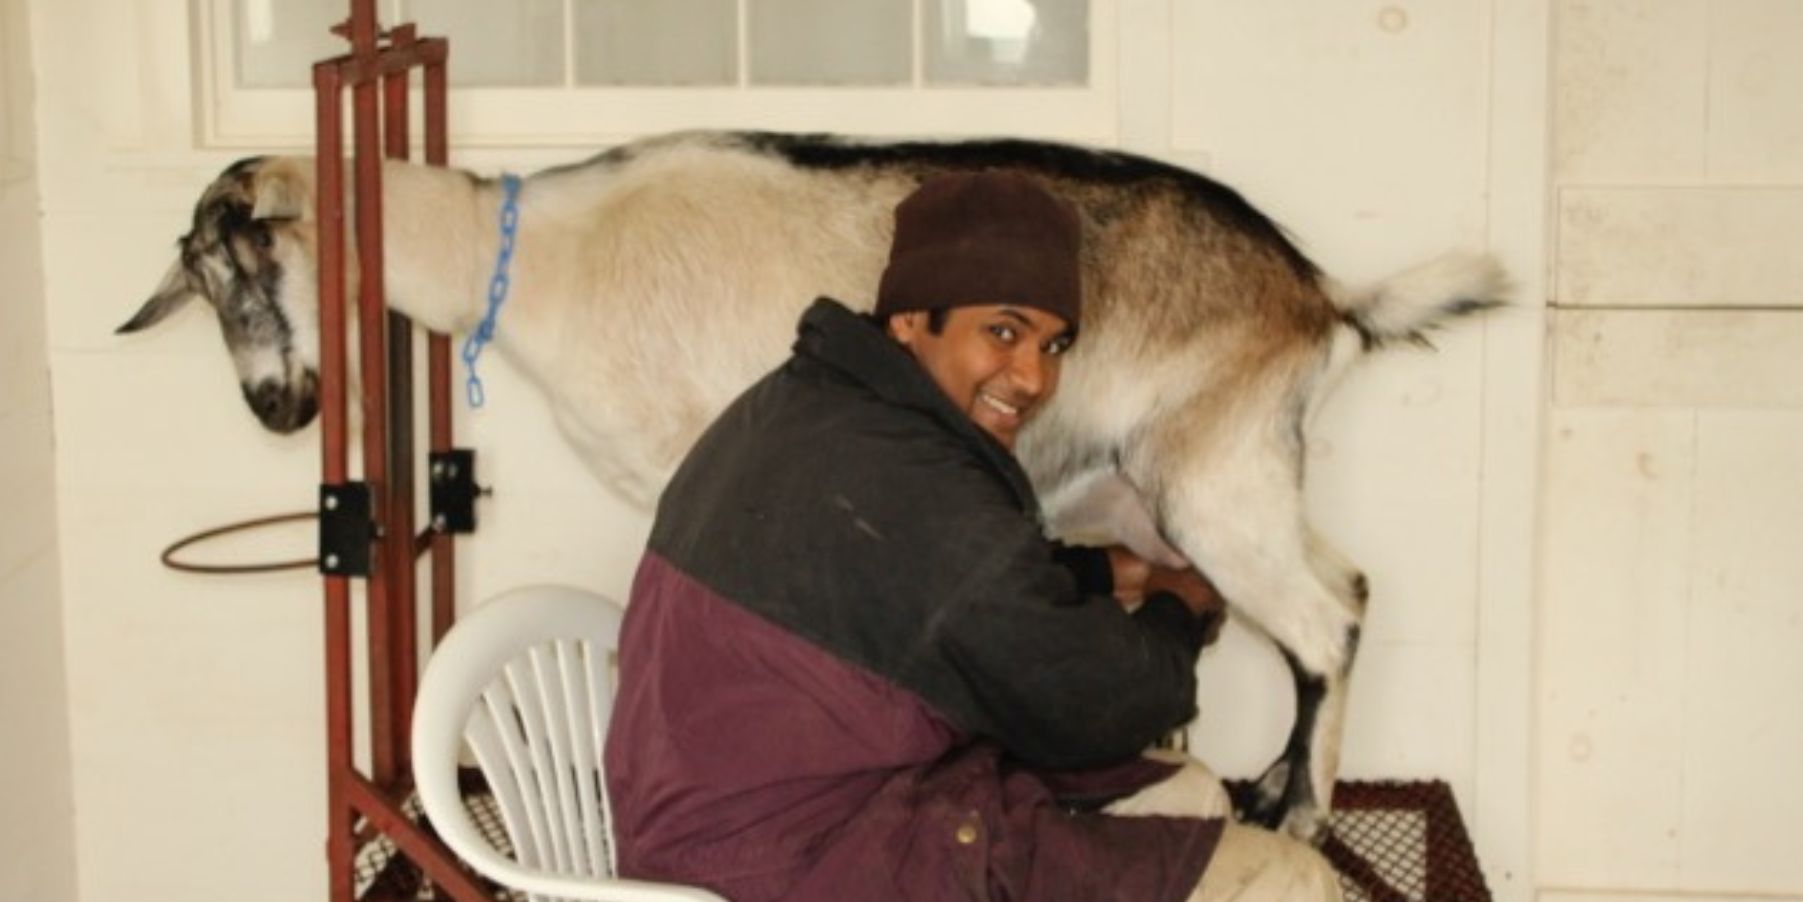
{"x": 853, "y": 669}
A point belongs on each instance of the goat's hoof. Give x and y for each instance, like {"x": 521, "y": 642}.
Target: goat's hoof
{"x": 1308, "y": 823}
{"x": 1275, "y": 803}
{"x": 1267, "y": 805}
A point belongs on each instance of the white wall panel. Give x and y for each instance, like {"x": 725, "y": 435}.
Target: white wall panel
{"x": 194, "y": 699}
{"x": 1615, "y": 594}
{"x": 1671, "y": 604}
{"x": 24, "y": 366}
{"x": 1679, "y": 92}
{"x": 1411, "y": 715}
{"x": 27, "y": 483}
{"x": 1680, "y": 246}
{"x": 195, "y": 706}
{"x": 1680, "y": 125}
{"x": 1743, "y": 737}
{"x": 38, "y": 830}
{"x": 37, "y": 826}
{"x": 1632, "y": 90}
{"x": 1678, "y": 358}
{"x": 1362, "y": 127}
{"x": 177, "y": 399}
{"x": 1755, "y": 124}
{"x": 113, "y": 292}
{"x": 1393, "y": 482}
{"x": 1514, "y": 427}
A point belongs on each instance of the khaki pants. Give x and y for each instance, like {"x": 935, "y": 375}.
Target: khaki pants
{"x": 1255, "y": 865}
{"x": 1250, "y": 864}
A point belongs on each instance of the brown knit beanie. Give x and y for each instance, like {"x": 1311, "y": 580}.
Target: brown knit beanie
{"x": 990, "y": 237}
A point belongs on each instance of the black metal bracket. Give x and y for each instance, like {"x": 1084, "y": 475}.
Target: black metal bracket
{"x": 454, "y": 490}
{"x": 346, "y": 531}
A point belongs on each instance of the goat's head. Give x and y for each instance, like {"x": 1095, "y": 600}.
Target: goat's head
{"x": 250, "y": 254}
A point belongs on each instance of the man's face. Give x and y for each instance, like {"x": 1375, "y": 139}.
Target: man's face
{"x": 997, "y": 362}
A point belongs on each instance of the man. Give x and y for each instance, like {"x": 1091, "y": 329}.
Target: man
{"x": 854, "y": 669}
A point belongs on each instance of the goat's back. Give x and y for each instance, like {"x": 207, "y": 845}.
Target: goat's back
{"x": 702, "y": 249}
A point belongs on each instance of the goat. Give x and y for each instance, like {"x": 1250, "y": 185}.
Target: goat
{"x": 654, "y": 282}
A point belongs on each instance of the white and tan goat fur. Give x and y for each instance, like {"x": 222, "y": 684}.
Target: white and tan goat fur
{"x": 655, "y": 282}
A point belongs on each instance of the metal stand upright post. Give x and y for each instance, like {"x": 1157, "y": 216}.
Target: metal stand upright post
{"x": 367, "y": 528}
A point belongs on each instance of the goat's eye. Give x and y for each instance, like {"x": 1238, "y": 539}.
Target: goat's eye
{"x": 265, "y": 239}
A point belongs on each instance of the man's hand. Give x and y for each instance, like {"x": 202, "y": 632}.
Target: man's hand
{"x": 1200, "y": 595}
{"x": 1130, "y": 574}
{"x": 1189, "y": 585}
{"x": 1135, "y": 578}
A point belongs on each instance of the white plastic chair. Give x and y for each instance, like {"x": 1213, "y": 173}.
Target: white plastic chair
{"x": 527, "y": 681}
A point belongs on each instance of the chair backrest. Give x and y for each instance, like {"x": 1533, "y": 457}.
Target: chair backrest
{"x": 526, "y": 681}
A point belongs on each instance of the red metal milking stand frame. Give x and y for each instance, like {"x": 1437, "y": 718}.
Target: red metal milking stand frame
{"x": 386, "y": 347}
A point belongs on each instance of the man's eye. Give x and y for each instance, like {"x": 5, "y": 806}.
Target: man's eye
{"x": 1005, "y": 333}
{"x": 1057, "y": 346}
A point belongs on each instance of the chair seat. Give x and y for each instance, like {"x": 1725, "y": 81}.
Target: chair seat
{"x": 526, "y": 683}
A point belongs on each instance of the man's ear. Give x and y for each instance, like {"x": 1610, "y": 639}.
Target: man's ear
{"x": 904, "y": 327}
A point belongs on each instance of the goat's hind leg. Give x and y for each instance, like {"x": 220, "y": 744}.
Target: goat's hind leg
{"x": 1234, "y": 508}
{"x": 1316, "y": 630}
{"x": 1295, "y": 792}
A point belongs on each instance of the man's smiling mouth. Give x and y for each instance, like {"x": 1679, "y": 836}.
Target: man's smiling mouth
{"x": 1000, "y": 405}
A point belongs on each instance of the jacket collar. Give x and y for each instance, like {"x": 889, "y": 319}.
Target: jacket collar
{"x": 857, "y": 347}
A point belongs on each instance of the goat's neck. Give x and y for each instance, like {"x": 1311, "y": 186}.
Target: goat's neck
{"x": 440, "y": 237}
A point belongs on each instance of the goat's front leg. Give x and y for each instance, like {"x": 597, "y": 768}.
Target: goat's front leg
{"x": 1232, "y": 503}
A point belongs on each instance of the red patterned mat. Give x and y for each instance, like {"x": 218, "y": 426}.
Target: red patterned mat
{"x": 1392, "y": 841}
{"x": 1402, "y": 842}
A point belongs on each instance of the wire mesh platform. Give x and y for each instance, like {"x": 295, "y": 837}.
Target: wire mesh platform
{"x": 1391, "y": 841}
{"x": 385, "y": 875}
{"x": 1402, "y": 842}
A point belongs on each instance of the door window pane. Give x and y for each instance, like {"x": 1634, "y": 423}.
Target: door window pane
{"x": 1006, "y": 42}
{"x": 279, "y": 40}
{"x": 657, "y": 42}
{"x": 687, "y": 43}
{"x": 516, "y": 43}
{"x": 831, "y": 42}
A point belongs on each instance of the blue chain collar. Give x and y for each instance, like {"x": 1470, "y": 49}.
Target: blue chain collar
{"x": 497, "y": 285}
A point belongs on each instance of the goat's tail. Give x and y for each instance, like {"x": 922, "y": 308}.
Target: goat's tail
{"x": 1410, "y": 304}
{"x": 1406, "y": 307}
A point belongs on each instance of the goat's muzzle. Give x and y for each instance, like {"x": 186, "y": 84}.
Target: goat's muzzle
{"x": 284, "y": 407}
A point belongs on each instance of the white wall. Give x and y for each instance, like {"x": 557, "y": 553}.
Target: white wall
{"x": 1373, "y": 132}
{"x": 37, "y": 831}
{"x": 1667, "y": 595}
{"x": 1672, "y": 601}
{"x": 1378, "y": 135}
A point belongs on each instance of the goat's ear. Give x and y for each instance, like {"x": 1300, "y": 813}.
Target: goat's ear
{"x": 169, "y": 297}
{"x": 281, "y": 192}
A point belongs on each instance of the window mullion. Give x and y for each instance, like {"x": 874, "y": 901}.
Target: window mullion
{"x": 743, "y": 36}
{"x": 919, "y": 55}
{"x": 569, "y": 44}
